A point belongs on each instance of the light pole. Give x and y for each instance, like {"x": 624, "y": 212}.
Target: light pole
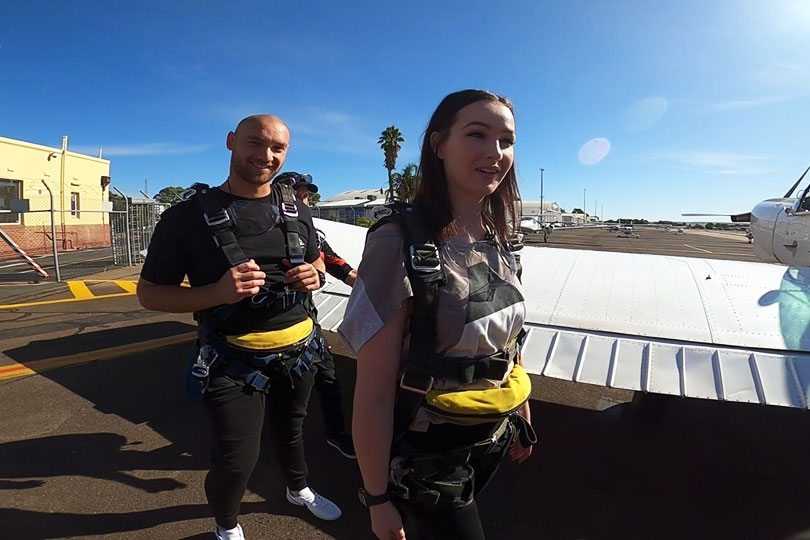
{"x": 583, "y": 200}
{"x": 541, "y": 196}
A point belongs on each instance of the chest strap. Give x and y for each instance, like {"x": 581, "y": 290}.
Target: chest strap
{"x": 223, "y": 229}
{"x": 468, "y": 370}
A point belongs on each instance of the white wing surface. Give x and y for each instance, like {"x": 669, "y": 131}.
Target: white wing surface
{"x": 714, "y": 329}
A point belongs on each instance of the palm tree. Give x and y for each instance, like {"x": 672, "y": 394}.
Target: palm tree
{"x": 389, "y": 142}
{"x": 405, "y": 183}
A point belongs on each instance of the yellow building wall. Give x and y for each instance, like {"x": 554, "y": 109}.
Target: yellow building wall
{"x": 64, "y": 172}
{"x": 29, "y": 162}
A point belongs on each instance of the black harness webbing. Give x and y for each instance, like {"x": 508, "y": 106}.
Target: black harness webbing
{"x": 210, "y": 321}
{"x": 289, "y": 221}
{"x": 425, "y": 269}
{"x": 220, "y": 224}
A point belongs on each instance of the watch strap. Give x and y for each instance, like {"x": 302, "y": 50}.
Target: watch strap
{"x": 368, "y": 500}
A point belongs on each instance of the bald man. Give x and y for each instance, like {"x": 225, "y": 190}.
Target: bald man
{"x": 247, "y": 249}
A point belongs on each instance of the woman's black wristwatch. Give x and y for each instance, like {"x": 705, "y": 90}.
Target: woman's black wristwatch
{"x": 369, "y": 500}
{"x": 322, "y": 278}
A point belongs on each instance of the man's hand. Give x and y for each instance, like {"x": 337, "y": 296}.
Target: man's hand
{"x": 239, "y": 282}
{"x": 351, "y": 278}
{"x": 302, "y": 278}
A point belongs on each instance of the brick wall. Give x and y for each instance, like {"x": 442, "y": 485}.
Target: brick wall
{"x": 36, "y": 240}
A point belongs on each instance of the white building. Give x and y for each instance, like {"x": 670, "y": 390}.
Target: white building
{"x": 346, "y": 207}
{"x": 551, "y": 210}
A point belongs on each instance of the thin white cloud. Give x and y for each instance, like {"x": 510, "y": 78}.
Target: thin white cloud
{"x": 749, "y": 103}
{"x": 144, "y": 149}
{"x": 719, "y": 162}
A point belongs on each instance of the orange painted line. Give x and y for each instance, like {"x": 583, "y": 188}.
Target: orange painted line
{"x": 47, "y": 364}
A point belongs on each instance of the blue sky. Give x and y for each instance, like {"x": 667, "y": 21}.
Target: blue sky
{"x": 704, "y": 105}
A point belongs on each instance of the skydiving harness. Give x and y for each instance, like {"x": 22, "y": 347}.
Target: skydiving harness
{"x": 423, "y": 370}
{"x": 259, "y": 369}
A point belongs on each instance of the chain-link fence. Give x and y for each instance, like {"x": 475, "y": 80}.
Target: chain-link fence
{"x": 38, "y": 243}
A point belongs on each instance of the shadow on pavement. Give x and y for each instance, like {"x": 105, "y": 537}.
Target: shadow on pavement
{"x": 96, "y": 341}
{"x": 707, "y": 470}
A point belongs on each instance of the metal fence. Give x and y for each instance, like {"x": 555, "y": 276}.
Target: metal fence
{"x": 39, "y": 243}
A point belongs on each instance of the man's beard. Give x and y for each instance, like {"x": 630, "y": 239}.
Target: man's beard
{"x": 251, "y": 175}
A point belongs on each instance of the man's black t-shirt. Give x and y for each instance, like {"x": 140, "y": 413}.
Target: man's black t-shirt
{"x": 183, "y": 245}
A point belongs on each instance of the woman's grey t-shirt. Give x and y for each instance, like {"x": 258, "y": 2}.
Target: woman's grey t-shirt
{"x": 481, "y": 308}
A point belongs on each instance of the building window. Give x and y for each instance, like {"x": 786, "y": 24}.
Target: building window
{"x": 9, "y": 189}
{"x": 74, "y": 204}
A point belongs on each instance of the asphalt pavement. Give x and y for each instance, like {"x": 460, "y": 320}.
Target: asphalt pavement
{"x": 97, "y": 441}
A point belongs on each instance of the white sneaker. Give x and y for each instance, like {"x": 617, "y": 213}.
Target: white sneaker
{"x": 320, "y": 507}
{"x": 229, "y": 534}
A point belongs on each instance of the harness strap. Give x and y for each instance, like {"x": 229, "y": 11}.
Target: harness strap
{"x": 467, "y": 370}
{"x": 426, "y": 272}
{"x": 289, "y": 221}
{"x": 412, "y": 474}
{"x": 262, "y": 371}
{"x": 220, "y": 224}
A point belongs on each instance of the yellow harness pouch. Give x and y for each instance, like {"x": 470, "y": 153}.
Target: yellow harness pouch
{"x": 473, "y": 406}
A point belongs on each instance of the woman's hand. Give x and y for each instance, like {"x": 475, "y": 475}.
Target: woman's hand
{"x": 386, "y": 523}
{"x": 519, "y": 453}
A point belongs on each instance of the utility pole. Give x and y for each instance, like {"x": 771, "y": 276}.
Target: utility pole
{"x": 594, "y": 207}
{"x": 583, "y": 200}
{"x": 541, "y": 196}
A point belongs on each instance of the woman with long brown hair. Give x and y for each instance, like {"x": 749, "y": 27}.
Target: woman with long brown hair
{"x": 435, "y": 317}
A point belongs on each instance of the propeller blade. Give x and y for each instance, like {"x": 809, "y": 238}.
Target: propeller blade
{"x": 741, "y": 218}
{"x": 793, "y": 188}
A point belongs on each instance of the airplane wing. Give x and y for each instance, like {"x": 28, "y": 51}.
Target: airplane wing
{"x": 712, "y": 329}
{"x": 745, "y": 217}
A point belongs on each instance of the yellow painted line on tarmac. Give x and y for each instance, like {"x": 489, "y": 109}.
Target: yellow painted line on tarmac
{"x": 80, "y": 290}
{"x": 697, "y": 248}
{"x": 47, "y": 364}
{"x": 128, "y": 286}
{"x": 63, "y": 301}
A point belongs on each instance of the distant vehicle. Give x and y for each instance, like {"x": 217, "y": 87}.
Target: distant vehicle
{"x": 627, "y": 232}
{"x": 530, "y": 225}
{"x": 680, "y": 230}
{"x": 613, "y": 228}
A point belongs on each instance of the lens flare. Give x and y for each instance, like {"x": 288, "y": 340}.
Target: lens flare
{"x": 645, "y": 113}
{"x": 594, "y": 151}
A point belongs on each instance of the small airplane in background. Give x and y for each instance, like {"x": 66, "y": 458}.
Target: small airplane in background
{"x": 780, "y": 228}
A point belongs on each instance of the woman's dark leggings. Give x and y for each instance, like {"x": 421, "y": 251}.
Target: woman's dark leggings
{"x": 440, "y": 522}
{"x": 238, "y": 415}
{"x": 328, "y": 388}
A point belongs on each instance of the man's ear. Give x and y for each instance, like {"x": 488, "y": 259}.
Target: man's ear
{"x": 229, "y": 140}
{"x": 436, "y": 145}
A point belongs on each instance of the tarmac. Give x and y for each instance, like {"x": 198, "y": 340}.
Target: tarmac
{"x": 97, "y": 441}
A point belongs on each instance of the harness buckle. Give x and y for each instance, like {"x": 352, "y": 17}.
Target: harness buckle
{"x": 289, "y": 209}
{"x": 200, "y": 371}
{"x": 258, "y": 380}
{"x": 425, "y": 258}
{"x": 218, "y": 218}
{"x": 412, "y": 388}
